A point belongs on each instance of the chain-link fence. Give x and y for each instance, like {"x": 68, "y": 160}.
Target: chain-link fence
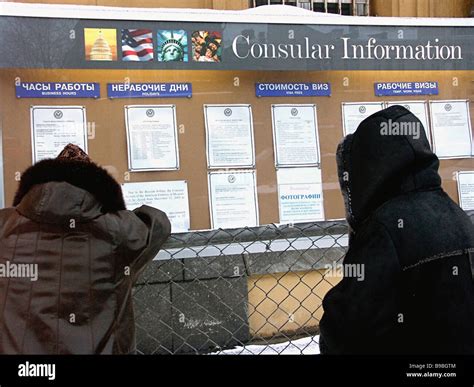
{"x": 250, "y": 290}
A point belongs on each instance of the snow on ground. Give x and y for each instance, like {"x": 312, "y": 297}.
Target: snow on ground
{"x": 304, "y": 346}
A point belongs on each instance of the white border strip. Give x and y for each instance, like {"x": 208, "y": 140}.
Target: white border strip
{"x": 267, "y": 15}
{"x": 259, "y": 247}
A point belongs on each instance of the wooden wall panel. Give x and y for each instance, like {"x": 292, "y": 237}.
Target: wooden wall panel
{"x": 408, "y": 8}
{"x": 207, "y": 4}
{"x": 421, "y": 8}
{"x": 231, "y": 4}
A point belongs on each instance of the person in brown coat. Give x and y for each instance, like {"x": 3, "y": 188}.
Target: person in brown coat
{"x": 69, "y": 255}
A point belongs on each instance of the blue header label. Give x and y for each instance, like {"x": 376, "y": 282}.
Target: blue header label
{"x": 57, "y": 90}
{"x": 293, "y": 89}
{"x": 149, "y": 90}
{"x": 406, "y": 88}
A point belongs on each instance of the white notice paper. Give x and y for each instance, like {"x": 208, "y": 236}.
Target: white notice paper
{"x": 53, "y": 127}
{"x": 229, "y": 136}
{"x": 353, "y": 113}
{"x": 295, "y": 135}
{"x": 466, "y": 190}
{"x": 451, "y": 125}
{"x": 170, "y": 197}
{"x": 419, "y": 110}
{"x": 233, "y": 199}
{"x": 300, "y": 195}
{"x": 152, "y": 137}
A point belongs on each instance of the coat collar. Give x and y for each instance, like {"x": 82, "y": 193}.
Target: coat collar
{"x": 59, "y": 203}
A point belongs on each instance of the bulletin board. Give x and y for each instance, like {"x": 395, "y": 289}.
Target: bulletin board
{"x": 232, "y": 81}
{"x": 109, "y": 147}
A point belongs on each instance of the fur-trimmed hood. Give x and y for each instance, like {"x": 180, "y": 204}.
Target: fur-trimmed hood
{"x": 87, "y": 176}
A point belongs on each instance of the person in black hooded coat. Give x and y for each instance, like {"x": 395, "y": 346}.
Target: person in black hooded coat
{"x": 415, "y": 244}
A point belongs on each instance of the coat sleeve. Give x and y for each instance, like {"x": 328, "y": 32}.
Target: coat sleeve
{"x": 360, "y": 312}
{"x": 144, "y": 231}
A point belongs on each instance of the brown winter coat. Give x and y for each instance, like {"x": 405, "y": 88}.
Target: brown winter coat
{"x": 70, "y": 220}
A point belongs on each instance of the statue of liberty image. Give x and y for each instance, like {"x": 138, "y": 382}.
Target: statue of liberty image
{"x": 172, "y": 46}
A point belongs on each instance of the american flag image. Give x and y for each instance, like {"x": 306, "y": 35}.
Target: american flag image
{"x": 137, "y": 45}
